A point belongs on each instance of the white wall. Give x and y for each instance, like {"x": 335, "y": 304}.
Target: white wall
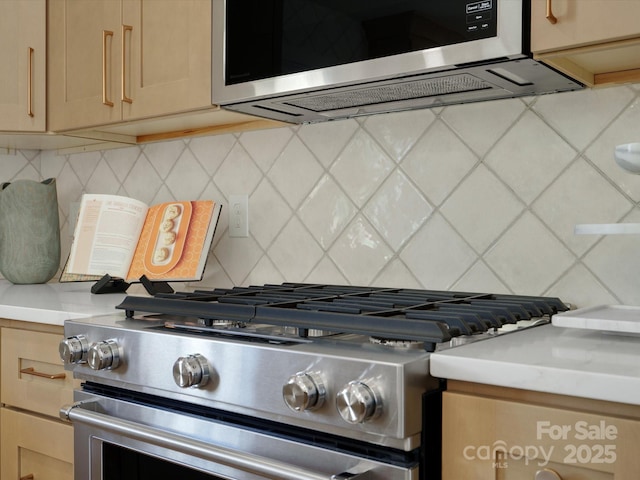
{"x": 479, "y": 197}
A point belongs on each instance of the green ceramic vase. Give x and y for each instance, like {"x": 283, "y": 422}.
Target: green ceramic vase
{"x": 29, "y": 231}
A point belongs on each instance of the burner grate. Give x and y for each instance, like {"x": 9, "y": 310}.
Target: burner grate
{"x": 427, "y": 316}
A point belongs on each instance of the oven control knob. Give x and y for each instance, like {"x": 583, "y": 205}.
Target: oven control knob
{"x": 303, "y": 391}
{"x": 104, "y": 355}
{"x": 191, "y": 371}
{"x": 357, "y": 403}
{"x": 74, "y": 350}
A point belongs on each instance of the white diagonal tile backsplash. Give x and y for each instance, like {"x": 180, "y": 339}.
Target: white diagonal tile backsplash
{"x": 482, "y": 208}
{"x": 529, "y": 156}
{"x": 360, "y": 252}
{"x": 361, "y": 167}
{"x": 295, "y": 172}
{"x": 438, "y": 163}
{"x": 580, "y": 195}
{"x": 529, "y": 256}
{"x": 437, "y": 255}
{"x": 397, "y": 209}
{"x": 482, "y": 124}
{"x": 478, "y": 197}
{"x": 582, "y": 116}
{"x": 326, "y": 211}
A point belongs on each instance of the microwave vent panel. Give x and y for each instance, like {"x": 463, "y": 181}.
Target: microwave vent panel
{"x": 429, "y": 87}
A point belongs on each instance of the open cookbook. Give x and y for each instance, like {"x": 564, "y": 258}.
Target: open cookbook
{"x": 124, "y": 238}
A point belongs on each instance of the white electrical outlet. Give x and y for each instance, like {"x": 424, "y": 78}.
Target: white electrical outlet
{"x": 238, "y": 216}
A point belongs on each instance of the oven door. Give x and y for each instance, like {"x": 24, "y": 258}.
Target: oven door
{"x": 118, "y": 439}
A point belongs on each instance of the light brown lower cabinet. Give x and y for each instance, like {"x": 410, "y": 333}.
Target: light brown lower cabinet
{"x": 503, "y": 434}
{"x": 34, "y": 447}
{"x": 34, "y": 442}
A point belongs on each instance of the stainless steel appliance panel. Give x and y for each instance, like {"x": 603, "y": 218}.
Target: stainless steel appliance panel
{"x": 507, "y": 44}
{"x": 250, "y": 380}
{"x": 200, "y": 445}
{"x": 304, "y": 61}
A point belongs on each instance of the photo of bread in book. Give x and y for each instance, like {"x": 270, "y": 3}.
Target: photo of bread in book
{"x": 124, "y": 238}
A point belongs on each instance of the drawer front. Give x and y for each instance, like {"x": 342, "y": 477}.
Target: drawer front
{"x": 491, "y": 439}
{"x": 33, "y": 376}
{"x": 35, "y": 446}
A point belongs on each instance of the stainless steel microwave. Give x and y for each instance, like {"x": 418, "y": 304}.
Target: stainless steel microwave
{"x": 313, "y": 60}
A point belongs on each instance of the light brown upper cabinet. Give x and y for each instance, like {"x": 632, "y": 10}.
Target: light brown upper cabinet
{"x": 118, "y": 60}
{"x": 595, "y": 42}
{"x": 22, "y": 65}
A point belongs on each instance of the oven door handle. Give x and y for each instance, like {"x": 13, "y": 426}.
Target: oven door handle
{"x": 225, "y": 456}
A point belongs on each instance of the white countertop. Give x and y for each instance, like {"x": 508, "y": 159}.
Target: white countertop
{"x": 53, "y": 303}
{"x": 567, "y": 361}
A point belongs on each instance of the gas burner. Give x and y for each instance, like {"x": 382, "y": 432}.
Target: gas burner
{"x": 240, "y": 329}
{"x": 312, "y": 332}
{"x": 220, "y": 323}
{"x": 396, "y": 343}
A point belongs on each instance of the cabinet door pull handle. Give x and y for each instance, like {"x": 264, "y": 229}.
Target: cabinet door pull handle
{"x": 105, "y": 99}
{"x": 28, "y": 477}
{"x": 550, "y": 16}
{"x": 125, "y": 29}
{"x": 35, "y": 373}
{"x": 29, "y": 82}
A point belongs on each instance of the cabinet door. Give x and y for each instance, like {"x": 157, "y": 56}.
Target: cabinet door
{"x": 166, "y": 57}
{"x": 22, "y": 56}
{"x": 113, "y": 60}
{"x": 596, "y": 43}
{"x": 582, "y": 23}
{"x": 84, "y": 51}
{"x": 489, "y": 439}
{"x": 33, "y": 377}
{"x": 35, "y": 446}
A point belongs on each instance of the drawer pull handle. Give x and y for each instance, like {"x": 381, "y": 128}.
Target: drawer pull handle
{"x": 32, "y": 371}
{"x": 550, "y": 16}
{"x": 28, "y": 477}
{"x": 547, "y": 474}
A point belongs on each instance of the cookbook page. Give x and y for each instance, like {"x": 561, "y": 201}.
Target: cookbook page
{"x": 106, "y": 235}
{"x": 175, "y": 241}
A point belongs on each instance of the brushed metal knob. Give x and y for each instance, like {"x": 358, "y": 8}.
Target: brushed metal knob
{"x": 73, "y": 350}
{"x": 547, "y": 474}
{"x": 357, "y": 403}
{"x": 104, "y": 355}
{"x": 191, "y": 371}
{"x": 303, "y": 391}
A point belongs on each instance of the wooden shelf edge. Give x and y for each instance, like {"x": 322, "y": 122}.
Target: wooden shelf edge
{"x": 211, "y": 130}
{"x": 598, "y": 47}
{"x": 624, "y": 76}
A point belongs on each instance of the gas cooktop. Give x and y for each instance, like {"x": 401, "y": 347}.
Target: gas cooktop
{"x": 388, "y": 315}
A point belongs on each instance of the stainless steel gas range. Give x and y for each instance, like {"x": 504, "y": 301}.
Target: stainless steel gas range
{"x": 290, "y": 381}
